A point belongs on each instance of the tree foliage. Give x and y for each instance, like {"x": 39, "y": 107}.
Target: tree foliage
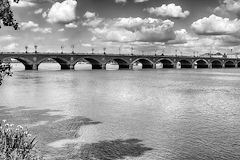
{"x": 6, "y": 14}
{"x": 5, "y": 69}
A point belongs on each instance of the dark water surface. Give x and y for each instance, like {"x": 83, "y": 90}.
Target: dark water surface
{"x": 134, "y": 115}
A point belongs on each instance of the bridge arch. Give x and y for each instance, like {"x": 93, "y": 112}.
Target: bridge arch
{"x": 185, "y": 63}
{"x": 61, "y": 61}
{"x": 238, "y": 64}
{"x": 96, "y": 64}
{"x": 201, "y": 63}
{"x": 28, "y": 64}
{"x": 216, "y": 64}
{"x": 146, "y": 63}
{"x": 229, "y": 64}
{"x": 123, "y": 64}
{"x": 167, "y": 63}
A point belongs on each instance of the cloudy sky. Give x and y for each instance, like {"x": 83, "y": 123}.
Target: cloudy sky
{"x": 148, "y": 26}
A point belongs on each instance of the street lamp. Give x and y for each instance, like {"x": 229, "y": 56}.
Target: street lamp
{"x": 26, "y": 48}
{"x": 92, "y": 50}
{"x": 119, "y": 49}
{"x": 104, "y": 50}
{"x": 132, "y": 49}
{"x": 62, "y": 48}
{"x": 73, "y": 48}
{"x": 35, "y": 46}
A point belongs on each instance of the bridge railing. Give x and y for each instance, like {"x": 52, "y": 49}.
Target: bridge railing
{"x": 111, "y": 54}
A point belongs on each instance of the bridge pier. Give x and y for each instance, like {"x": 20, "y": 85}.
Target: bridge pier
{"x": 130, "y": 66}
{"x": 194, "y": 66}
{"x": 71, "y": 67}
{"x": 35, "y": 67}
{"x": 154, "y": 66}
{"x": 210, "y": 65}
{"x": 104, "y": 67}
{"x": 223, "y": 66}
{"x": 175, "y": 65}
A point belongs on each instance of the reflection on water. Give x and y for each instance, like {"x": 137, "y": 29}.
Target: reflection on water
{"x": 177, "y": 114}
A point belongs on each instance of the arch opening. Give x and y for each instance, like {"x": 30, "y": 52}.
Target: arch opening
{"x": 144, "y": 63}
{"x": 117, "y": 64}
{"x": 165, "y": 63}
{"x": 18, "y": 63}
{"x": 229, "y": 64}
{"x": 238, "y": 64}
{"x": 216, "y": 64}
{"x": 95, "y": 64}
{"x": 82, "y": 64}
{"x": 185, "y": 64}
{"x": 52, "y": 64}
{"x": 202, "y": 64}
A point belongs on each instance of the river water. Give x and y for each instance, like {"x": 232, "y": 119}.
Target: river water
{"x": 155, "y": 114}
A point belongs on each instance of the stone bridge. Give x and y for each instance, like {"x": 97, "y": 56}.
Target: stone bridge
{"x": 31, "y": 61}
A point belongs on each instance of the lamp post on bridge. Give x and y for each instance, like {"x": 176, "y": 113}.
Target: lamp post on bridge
{"x": 92, "y": 50}
{"x": 132, "y": 49}
{"x": 26, "y": 48}
{"x": 35, "y": 46}
{"x": 104, "y": 50}
{"x": 62, "y": 49}
{"x": 73, "y": 48}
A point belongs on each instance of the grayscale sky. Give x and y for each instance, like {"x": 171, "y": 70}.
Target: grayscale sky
{"x": 169, "y": 26}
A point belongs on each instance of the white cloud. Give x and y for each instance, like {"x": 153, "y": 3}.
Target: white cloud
{"x": 131, "y": 29}
{"x": 86, "y": 45}
{"x": 11, "y": 47}
{"x": 22, "y": 3}
{"x": 140, "y": 1}
{"x": 135, "y": 1}
{"x": 29, "y": 24}
{"x": 63, "y": 39}
{"x": 230, "y": 6}
{"x": 38, "y": 11}
{"x": 62, "y": 12}
{"x": 170, "y": 10}
{"x": 39, "y": 38}
{"x": 89, "y": 15}
{"x": 6, "y": 38}
{"x": 182, "y": 36}
{"x": 61, "y": 30}
{"x": 71, "y": 25}
{"x": 44, "y": 14}
{"x": 214, "y": 25}
{"x": 91, "y": 19}
{"x": 120, "y": 1}
{"x": 42, "y": 30}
